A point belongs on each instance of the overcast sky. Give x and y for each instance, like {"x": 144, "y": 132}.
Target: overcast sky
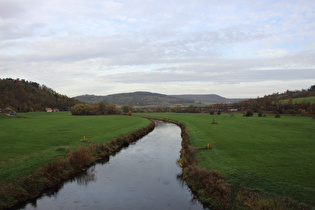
{"x": 233, "y": 48}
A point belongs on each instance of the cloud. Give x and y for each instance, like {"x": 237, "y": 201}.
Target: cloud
{"x": 195, "y": 45}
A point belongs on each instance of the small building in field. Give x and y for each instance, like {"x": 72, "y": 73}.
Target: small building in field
{"x": 7, "y": 111}
{"x": 49, "y": 110}
{"x": 233, "y": 110}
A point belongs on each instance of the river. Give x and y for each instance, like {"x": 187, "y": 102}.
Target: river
{"x": 141, "y": 176}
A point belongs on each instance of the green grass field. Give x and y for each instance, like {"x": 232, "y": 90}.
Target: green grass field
{"x": 273, "y": 155}
{"x": 32, "y": 142}
{"x": 300, "y": 100}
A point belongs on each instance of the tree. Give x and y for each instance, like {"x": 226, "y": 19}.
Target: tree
{"x": 127, "y": 108}
{"x": 100, "y": 108}
{"x": 139, "y": 110}
{"x": 192, "y": 109}
{"x": 249, "y": 113}
{"x": 81, "y": 109}
{"x": 311, "y": 108}
{"x": 176, "y": 109}
{"x": 159, "y": 109}
{"x": 112, "y": 109}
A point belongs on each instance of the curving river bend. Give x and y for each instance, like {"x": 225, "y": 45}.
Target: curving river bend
{"x": 142, "y": 176}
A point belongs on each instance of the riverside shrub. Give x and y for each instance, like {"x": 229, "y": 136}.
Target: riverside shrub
{"x": 81, "y": 157}
{"x": 249, "y": 113}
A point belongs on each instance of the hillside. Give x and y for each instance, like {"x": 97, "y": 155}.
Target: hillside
{"x": 291, "y": 102}
{"x": 25, "y": 96}
{"x": 210, "y": 98}
{"x": 135, "y": 99}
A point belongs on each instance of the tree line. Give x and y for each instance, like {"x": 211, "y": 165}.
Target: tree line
{"x": 100, "y": 108}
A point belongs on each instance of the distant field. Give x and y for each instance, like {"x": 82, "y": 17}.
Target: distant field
{"x": 32, "y": 142}
{"x": 299, "y": 100}
{"x": 275, "y": 155}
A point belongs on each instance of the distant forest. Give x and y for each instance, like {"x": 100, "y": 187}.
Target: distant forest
{"x": 26, "y": 96}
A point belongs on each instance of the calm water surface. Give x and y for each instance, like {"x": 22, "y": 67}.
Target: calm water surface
{"x": 142, "y": 176}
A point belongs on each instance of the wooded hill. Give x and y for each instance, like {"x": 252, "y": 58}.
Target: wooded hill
{"x": 210, "y": 98}
{"x": 135, "y": 99}
{"x": 26, "y": 96}
{"x": 148, "y": 98}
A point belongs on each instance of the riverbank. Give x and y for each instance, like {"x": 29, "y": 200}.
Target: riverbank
{"x": 142, "y": 176}
{"x": 75, "y": 161}
{"x": 207, "y": 186}
{"x": 224, "y": 191}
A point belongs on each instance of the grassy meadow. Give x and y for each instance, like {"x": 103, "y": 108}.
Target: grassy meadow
{"x": 310, "y": 99}
{"x": 33, "y": 141}
{"x": 272, "y": 155}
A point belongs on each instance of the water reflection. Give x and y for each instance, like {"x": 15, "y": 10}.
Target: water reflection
{"x": 143, "y": 176}
{"x": 86, "y": 178}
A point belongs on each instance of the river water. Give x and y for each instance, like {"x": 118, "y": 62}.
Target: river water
{"x": 141, "y": 176}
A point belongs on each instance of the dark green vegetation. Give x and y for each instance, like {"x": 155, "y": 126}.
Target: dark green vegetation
{"x": 100, "y": 108}
{"x": 25, "y": 96}
{"x": 273, "y": 156}
{"x": 135, "y": 99}
{"x": 209, "y": 98}
{"x": 32, "y": 142}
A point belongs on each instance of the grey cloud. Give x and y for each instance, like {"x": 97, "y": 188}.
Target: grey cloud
{"x": 11, "y": 30}
{"x": 132, "y": 49}
{"x": 11, "y": 9}
{"x": 232, "y": 77}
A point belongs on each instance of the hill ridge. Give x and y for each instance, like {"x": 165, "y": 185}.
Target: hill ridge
{"x": 150, "y": 98}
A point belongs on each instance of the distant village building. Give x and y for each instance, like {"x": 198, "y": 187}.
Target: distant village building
{"x": 9, "y": 112}
{"x": 52, "y": 110}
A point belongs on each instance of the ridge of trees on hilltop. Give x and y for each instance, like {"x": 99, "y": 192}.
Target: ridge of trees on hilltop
{"x": 140, "y": 98}
{"x": 27, "y": 96}
{"x": 282, "y": 102}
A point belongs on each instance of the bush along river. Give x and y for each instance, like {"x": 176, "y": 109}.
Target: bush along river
{"x": 141, "y": 176}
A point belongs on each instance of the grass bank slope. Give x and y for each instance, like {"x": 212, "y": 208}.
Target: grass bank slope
{"x": 32, "y": 142}
{"x": 273, "y": 155}
{"x": 310, "y": 99}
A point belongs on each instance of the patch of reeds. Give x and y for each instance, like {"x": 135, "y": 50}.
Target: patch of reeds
{"x": 253, "y": 199}
{"x": 81, "y": 157}
{"x": 209, "y": 186}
